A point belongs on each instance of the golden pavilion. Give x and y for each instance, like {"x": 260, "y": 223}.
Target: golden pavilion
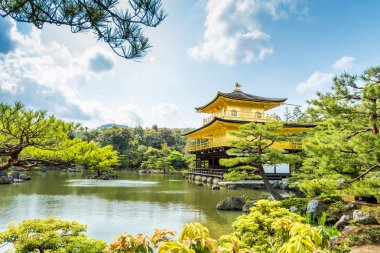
{"x": 227, "y": 111}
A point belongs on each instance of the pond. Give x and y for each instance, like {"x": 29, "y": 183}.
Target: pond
{"x": 134, "y": 203}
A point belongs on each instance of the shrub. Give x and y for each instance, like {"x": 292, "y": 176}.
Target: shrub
{"x": 271, "y": 228}
{"x": 336, "y": 209}
{"x": 330, "y": 197}
{"x": 50, "y": 235}
{"x": 297, "y": 202}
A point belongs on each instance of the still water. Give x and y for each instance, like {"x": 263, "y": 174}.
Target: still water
{"x": 134, "y": 203}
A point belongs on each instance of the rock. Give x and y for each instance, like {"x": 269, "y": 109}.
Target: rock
{"x": 16, "y": 180}
{"x": 364, "y": 218}
{"x": 209, "y": 180}
{"x": 16, "y": 175}
{"x": 247, "y": 207}
{"x": 215, "y": 187}
{"x": 143, "y": 171}
{"x": 6, "y": 180}
{"x": 350, "y": 206}
{"x": 297, "y": 191}
{"x": 348, "y": 230}
{"x": 233, "y": 203}
{"x": 215, "y": 181}
{"x": 332, "y": 242}
{"x": 25, "y": 177}
{"x": 315, "y": 208}
{"x": 343, "y": 221}
{"x": 293, "y": 209}
{"x": 232, "y": 186}
{"x": 3, "y": 173}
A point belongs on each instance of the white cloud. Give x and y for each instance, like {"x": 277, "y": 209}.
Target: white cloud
{"x": 318, "y": 80}
{"x": 165, "y": 110}
{"x": 344, "y": 63}
{"x": 129, "y": 115}
{"x": 45, "y": 76}
{"x": 233, "y": 32}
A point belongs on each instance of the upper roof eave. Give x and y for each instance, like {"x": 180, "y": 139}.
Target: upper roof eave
{"x": 238, "y": 95}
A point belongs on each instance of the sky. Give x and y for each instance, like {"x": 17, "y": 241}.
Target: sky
{"x": 273, "y": 48}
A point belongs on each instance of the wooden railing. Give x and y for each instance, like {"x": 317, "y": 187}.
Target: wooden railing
{"x": 223, "y": 143}
{"x": 239, "y": 115}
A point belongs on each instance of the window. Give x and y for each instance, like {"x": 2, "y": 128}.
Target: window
{"x": 258, "y": 115}
{"x": 233, "y": 113}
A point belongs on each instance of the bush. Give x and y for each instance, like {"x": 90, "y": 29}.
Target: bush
{"x": 330, "y": 197}
{"x": 297, "y": 202}
{"x": 271, "y": 228}
{"x": 50, "y": 235}
{"x": 336, "y": 209}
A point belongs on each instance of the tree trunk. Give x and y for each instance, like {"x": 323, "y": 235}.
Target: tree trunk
{"x": 267, "y": 184}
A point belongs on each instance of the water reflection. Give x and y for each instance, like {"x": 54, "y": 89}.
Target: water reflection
{"x": 135, "y": 203}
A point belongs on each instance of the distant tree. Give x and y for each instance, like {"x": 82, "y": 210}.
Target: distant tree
{"x": 295, "y": 116}
{"x": 121, "y": 30}
{"x": 346, "y": 144}
{"x": 30, "y": 138}
{"x": 50, "y": 235}
{"x": 177, "y": 160}
{"x": 252, "y": 150}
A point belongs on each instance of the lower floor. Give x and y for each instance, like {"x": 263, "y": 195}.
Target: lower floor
{"x": 208, "y": 164}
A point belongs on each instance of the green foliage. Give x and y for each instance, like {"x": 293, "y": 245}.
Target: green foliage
{"x": 366, "y": 188}
{"x": 235, "y": 175}
{"x": 177, "y": 160}
{"x": 336, "y": 209}
{"x": 297, "y": 202}
{"x": 194, "y": 238}
{"x": 50, "y": 235}
{"x": 142, "y": 147}
{"x": 120, "y": 28}
{"x": 253, "y": 144}
{"x": 317, "y": 187}
{"x": 331, "y": 197}
{"x": 371, "y": 235}
{"x": 30, "y": 138}
{"x": 345, "y": 145}
{"x": 271, "y": 228}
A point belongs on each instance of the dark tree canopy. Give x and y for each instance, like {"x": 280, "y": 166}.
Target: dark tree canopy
{"x": 121, "y": 29}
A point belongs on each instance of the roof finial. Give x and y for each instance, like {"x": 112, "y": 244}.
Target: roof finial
{"x": 237, "y": 87}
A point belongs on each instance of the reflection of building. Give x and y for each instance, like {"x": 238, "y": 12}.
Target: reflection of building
{"x": 227, "y": 112}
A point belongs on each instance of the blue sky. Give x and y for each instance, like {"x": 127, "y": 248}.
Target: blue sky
{"x": 275, "y": 48}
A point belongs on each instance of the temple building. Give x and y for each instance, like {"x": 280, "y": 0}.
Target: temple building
{"x": 227, "y": 111}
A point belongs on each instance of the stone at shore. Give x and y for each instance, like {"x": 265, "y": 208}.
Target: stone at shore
{"x": 3, "y": 173}
{"x": 25, "y": 177}
{"x": 247, "y": 207}
{"x": 232, "y": 187}
{"x": 215, "y": 187}
{"x": 16, "y": 175}
{"x": 6, "y": 180}
{"x": 364, "y": 218}
{"x": 343, "y": 221}
{"x": 233, "y": 203}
